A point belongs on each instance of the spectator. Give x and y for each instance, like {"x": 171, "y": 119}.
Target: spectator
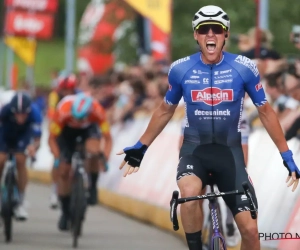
{"x": 54, "y": 75}
{"x": 265, "y": 49}
{"x": 292, "y": 88}
{"x": 275, "y": 88}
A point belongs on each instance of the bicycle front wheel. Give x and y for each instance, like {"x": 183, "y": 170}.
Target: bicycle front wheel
{"x": 78, "y": 205}
{"x": 7, "y": 208}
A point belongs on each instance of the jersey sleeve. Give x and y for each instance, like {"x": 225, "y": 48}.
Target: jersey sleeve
{"x": 251, "y": 77}
{"x": 36, "y": 122}
{"x": 99, "y": 116}
{"x": 53, "y": 99}
{"x": 4, "y": 112}
{"x": 174, "y": 92}
{"x": 58, "y": 121}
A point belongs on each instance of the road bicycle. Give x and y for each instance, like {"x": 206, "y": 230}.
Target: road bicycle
{"x": 217, "y": 240}
{"x": 79, "y": 193}
{"x": 9, "y": 195}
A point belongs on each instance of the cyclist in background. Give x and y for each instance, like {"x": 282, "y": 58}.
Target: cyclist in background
{"x": 75, "y": 115}
{"x": 65, "y": 85}
{"x": 20, "y": 132}
{"x": 213, "y": 84}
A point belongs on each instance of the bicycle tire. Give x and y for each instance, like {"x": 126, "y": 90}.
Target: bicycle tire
{"x": 7, "y": 207}
{"x": 78, "y": 203}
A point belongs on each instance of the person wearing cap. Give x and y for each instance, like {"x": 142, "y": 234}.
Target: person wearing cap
{"x": 213, "y": 84}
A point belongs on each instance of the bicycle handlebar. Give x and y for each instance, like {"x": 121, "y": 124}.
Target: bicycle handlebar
{"x": 175, "y": 201}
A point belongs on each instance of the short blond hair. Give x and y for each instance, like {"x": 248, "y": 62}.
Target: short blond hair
{"x": 266, "y": 37}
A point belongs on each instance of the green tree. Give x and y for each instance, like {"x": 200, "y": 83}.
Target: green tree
{"x": 242, "y": 14}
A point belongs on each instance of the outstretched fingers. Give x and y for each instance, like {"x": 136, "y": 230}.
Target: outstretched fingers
{"x": 292, "y": 181}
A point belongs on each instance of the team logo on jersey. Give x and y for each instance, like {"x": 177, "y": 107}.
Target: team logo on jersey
{"x": 248, "y": 63}
{"x": 170, "y": 87}
{"x": 212, "y": 96}
{"x": 191, "y": 81}
{"x": 205, "y": 80}
{"x": 258, "y": 86}
{"x": 223, "y": 81}
{"x": 200, "y": 72}
{"x": 222, "y": 76}
{"x": 226, "y": 71}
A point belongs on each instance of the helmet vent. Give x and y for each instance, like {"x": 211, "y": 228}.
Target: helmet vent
{"x": 214, "y": 15}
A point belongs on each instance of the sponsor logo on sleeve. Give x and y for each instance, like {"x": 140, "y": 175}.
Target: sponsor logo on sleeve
{"x": 168, "y": 102}
{"x": 178, "y": 62}
{"x": 258, "y": 86}
{"x": 248, "y": 63}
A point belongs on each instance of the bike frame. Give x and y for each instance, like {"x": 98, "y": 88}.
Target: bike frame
{"x": 214, "y": 210}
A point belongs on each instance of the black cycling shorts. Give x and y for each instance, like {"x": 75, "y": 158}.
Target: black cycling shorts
{"x": 67, "y": 139}
{"x": 223, "y": 165}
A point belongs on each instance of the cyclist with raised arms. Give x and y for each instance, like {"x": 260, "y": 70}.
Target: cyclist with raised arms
{"x": 76, "y": 115}
{"x": 213, "y": 84}
{"x": 20, "y": 133}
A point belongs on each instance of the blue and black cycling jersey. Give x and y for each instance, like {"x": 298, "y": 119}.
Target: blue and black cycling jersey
{"x": 214, "y": 96}
{"x": 12, "y": 130}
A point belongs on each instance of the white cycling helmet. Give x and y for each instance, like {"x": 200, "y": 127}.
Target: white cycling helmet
{"x": 211, "y": 13}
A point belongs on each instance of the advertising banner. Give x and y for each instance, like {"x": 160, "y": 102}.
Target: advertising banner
{"x": 96, "y": 34}
{"x": 160, "y": 43}
{"x": 19, "y": 23}
{"x": 35, "y": 5}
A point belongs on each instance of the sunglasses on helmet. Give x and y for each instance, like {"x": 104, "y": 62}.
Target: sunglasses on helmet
{"x": 216, "y": 28}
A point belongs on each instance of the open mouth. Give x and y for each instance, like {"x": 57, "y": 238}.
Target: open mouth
{"x": 211, "y": 46}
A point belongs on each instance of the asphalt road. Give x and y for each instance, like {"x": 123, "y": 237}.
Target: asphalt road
{"x": 103, "y": 229}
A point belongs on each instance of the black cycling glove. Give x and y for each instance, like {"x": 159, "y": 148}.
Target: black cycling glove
{"x": 135, "y": 154}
